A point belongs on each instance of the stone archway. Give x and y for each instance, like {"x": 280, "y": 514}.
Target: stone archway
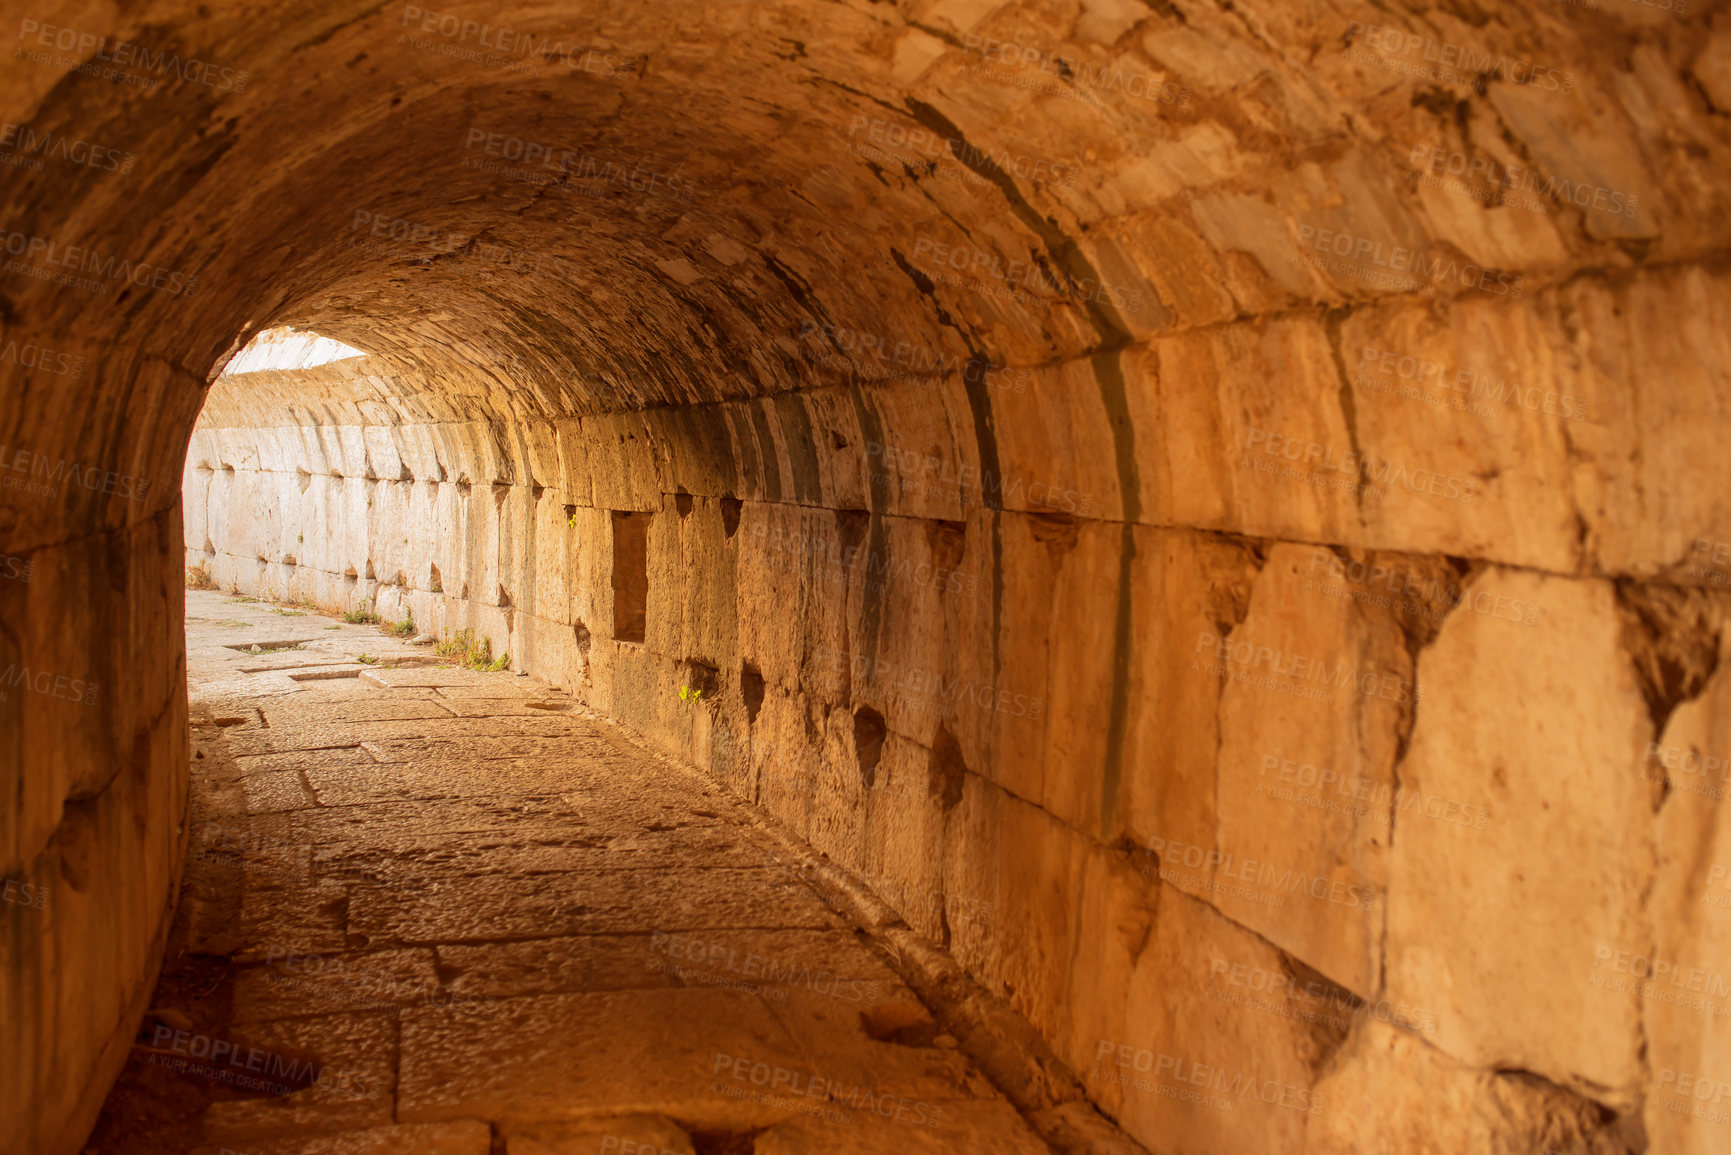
{"x": 1143, "y": 411}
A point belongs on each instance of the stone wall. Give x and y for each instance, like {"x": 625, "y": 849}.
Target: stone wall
{"x": 1227, "y": 531}
{"x": 1357, "y": 746}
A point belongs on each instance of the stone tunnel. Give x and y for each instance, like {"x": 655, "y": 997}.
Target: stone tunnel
{"x": 1200, "y": 531}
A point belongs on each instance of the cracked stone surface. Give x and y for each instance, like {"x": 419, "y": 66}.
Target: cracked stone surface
{"x": 491, "y": 948}
{"x": 957, "y": 395}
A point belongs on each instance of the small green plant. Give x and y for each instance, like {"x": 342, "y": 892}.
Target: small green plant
{"x": 687, "y": 694}
{"x": 572, "y": 523}
{"x": 333, "y": 627}
{"x": 471, "y": 652}
{"x": 362, "y": 615}
{"x": 403, "y": 629}
{"x": 238, "y": 601}
{"x": 288, "y": 613}
{"x": 366, "y": 660}
{"x": 198, "y": 578}
{"x": 301, "y": 537}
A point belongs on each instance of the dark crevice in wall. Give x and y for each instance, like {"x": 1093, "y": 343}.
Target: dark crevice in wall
{"x": 869, "y": 733}
{"x": 1671, "y": 635}
{"x": 947, "y": 770}
{"x": 630, "y": 576}
{"x": 751, "y": 690}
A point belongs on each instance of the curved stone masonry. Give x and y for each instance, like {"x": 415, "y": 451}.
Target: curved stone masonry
{"x": 1215, "y": 512}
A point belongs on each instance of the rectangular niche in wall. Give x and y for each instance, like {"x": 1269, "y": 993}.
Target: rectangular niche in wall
{"x": 630, "y": 575}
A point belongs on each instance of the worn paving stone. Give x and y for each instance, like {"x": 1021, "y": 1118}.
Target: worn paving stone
{"x": 268, "y": 793}
{"x": 562, "y": 1056}
{"x": 908, "y": 1128}
{"x": 355, "y": 1059}
{"x": 290, "y": 984}
{"x": 292, "y": 712}
{"x": 511, "y": 931}
{"x": 466, "y": 1137}
{"x": 653, "y": 1134}
{"x": 498, "y": 906}
{"x": 305, "y": 760}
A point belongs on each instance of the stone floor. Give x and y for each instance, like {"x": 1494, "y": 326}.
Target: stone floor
{"x": 431, "y": 909}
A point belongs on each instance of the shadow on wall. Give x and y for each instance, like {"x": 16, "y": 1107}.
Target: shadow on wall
{"x": 1169, "y": 495}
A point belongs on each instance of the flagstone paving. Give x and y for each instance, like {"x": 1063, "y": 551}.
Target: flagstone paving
{"x": 449, "y": 911}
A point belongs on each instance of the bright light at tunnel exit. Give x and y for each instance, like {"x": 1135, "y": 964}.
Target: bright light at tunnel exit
{"x": 289, "y": 348}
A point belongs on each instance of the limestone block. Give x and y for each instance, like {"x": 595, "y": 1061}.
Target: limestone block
{"x": 1388, "y": 1091}
{"x": 1477, "y": 397}
{"x": 1307, "y": 681}
{"x": 1655, "y": 350}
{"x": 1686, "y": 1010}
{"x": 1202, "y": 1053}
{"x": 1542, "y": 725}
{"x": 1252, "y": 451}
{"x": 383, "y": 459}
{"x": 1592, "y": 149}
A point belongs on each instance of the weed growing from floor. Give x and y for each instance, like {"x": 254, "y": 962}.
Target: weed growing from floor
{"x": 198, "y": 578}
{"x": 362, "y": 615}
{"x": 471, "y": 652}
